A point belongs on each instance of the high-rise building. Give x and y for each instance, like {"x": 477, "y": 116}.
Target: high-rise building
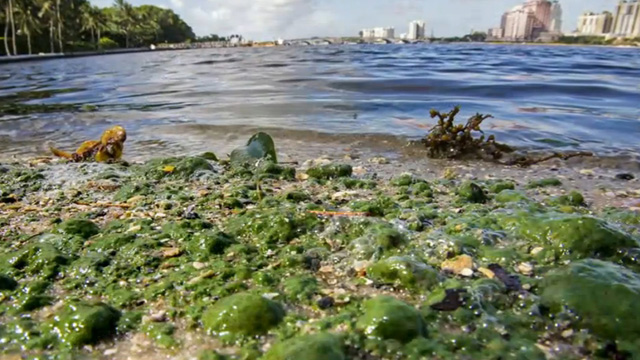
{"x": 528, "y": 21}
{"x": 626, "y": 21}
{"x": 595, "y": 24}
{"x": 416, "y": 30}
{"x": 556, "y": 18}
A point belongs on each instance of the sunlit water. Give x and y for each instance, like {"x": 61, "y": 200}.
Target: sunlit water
{"x": 542, "y": 97}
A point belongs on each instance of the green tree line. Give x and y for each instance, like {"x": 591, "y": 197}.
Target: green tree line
{"x": 35, "y": 26}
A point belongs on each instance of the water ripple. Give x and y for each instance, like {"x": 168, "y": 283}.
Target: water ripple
{"x": 541, "y": 96}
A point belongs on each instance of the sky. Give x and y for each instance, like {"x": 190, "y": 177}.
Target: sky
{"x": 290, "y": 19}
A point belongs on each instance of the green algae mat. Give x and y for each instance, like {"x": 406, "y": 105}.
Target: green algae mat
{"x": 196, "y": 258}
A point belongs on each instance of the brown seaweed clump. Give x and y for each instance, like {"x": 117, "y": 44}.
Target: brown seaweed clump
{"x": 448, "y": 140}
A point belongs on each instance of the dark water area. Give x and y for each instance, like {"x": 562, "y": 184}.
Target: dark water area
{"x": 542, "y": 97}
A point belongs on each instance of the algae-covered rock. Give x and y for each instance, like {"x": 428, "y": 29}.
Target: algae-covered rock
{"x": 79, "y": 324}
{"x": 7, "y": 283}
{"x": 404, "y": 271}
{"x": 242, "y": 314}
{"x": 321, "y": 346}
{"x": 471, "y": 192}
{"x": 79, "y": 227}
{"x": 39, "y": 259}
{"x": 509, "y": 196}
{"x": 544, "y": 183}
{"x": 574, "y": 198}
{"x": 387, "y": 318}
{"x": 209, "y": 243}
{"x": 604, "y": 296}
{"x": 176, "y": 167}
{"x": 576, "y": 235}
{"x": 402, "y": 180}
{"x": 275, "y": 171}
{"x": 500, "y": 186}
{"x": 378, "y": 239}
{"x": 301, "y": 287}
{"x": 259, "y": 147}
{"x": 330, "y": 171}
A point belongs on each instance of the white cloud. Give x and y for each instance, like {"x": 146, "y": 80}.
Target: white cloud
{"x": 177, "y": 3}
{"x": 258, "y": 19}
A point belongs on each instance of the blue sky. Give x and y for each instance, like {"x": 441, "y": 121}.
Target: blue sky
{"x": 271, "y": 19}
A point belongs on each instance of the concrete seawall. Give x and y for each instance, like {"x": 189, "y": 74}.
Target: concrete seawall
{"x": 24, "y": 58}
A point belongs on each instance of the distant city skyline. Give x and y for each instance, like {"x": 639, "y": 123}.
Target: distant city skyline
{"x": 271, "y": 19}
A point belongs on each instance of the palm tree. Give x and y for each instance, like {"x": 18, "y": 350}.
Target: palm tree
{"x": 13, "y": 27}
{"x": 6, "y": 30}
{"x": 46, "y": 11}
{"x": 27, "y": 22}
{"x": 127, "y": 18}
{"x": 59, "y": 26}
{"x": 88, "y": 20}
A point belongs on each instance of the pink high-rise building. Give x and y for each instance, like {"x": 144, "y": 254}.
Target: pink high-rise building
{"x": 528, "y": 21}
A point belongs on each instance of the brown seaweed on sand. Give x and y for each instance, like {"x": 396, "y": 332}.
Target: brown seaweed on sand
{"x": 448, "y": 140}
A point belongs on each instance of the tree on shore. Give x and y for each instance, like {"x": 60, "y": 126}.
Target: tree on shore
{"x": 47, "y": 14}
{"x": 28, "y": 21}
{"x": 32, "y": 26}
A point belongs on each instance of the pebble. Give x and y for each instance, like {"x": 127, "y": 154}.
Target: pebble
{"x": 110, "y": 352}
{"x": 343, "y": 195}
{"x": 359, "y": 170}
{"x": 567, "y": 333}
{"x": 525, "y": 268}
{"x": 466, "y": 272}
{"x": 302, "y": 176}
{"x": 198, "y": 265}
{"x": 460, "y": 265}
{"x": 586, "y": 172}
{"x": 486, "y": 272}
{"x": 160, "y": 316}
{"x": 536, "y": 250}
{"x": 171, "y": 252}
{"x": 625, "y": 176}
{"x": 326, "y": 302}
{"x": 379, "y": 160}
{"x": 135, "y": 199}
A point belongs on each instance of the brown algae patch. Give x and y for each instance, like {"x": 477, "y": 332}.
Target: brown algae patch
{"x": 192, "y": 257}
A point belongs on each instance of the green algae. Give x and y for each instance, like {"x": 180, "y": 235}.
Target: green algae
{"x": 404, "y": 271}
{"x": 7, "y": 282}
{"x": 243, "y": 314}
{"x": 499, "y": 186}
{"x": 79, "y": 227}
{"x": 321, "y": 346}
{"x": 209, "y": 243}
{"x": 386, "y": 317}
{"x": 301, "y": 287}
{"x": 604, "y": 296}
{"x": 79, "y": 323}
{"x": 511, "y": 196}
{"x": 270, "y": 244}
{"x": 330, "y": 171}
{"x": 575, "y": 235}
{"x": 574, "y": 198}
{"x": 471, "y": 192}
{"x": 550, "y": 182}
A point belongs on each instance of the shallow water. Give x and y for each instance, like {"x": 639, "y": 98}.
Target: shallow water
{"x": 542, "y": 97}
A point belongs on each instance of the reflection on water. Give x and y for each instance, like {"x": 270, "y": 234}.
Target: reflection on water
{"x": 541, "y": 96}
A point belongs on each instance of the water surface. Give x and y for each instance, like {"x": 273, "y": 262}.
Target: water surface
{"x": 542, "y": 97}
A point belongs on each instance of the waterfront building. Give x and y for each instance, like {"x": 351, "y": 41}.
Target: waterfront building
{"x": 379, "y": 32}
{"x": 626, "y": 21}
{"x": 416, "y": 30}
{"x": 595, "y": 24}
{"x": 530, "y": 21}
{"x": 556, "y": 18}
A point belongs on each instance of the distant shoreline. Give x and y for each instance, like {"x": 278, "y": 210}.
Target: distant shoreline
{"x": 40, "y": 57}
